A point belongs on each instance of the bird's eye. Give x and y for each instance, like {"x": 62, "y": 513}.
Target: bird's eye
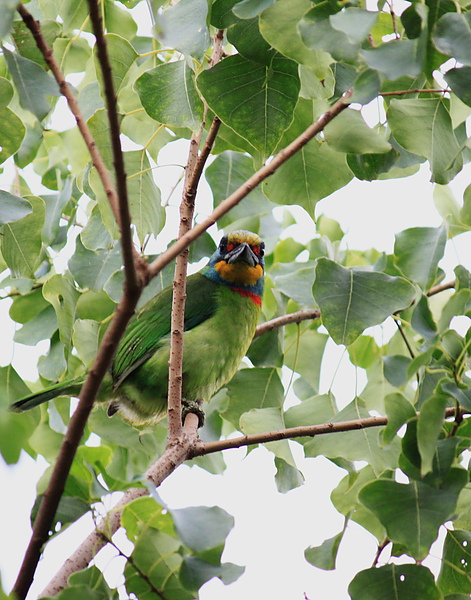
{"x": 259, "y": 250}
{"x": 223, "y": 245}
{"x": 230, "y": 247}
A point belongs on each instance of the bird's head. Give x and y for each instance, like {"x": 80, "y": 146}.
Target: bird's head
{"x": 238, "y": 262}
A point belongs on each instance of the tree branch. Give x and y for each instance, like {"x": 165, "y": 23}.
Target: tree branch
{"x": 189, "y": 447}
{"x": 224, "y": 207}
{"x": 296, "y": 317}
{"x": 173, "y": 456}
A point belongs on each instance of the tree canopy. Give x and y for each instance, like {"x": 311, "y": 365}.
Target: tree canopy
{"x": 281, "y": 103}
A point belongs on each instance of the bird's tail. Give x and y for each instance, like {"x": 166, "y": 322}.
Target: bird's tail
{"x": 64, "y": 388}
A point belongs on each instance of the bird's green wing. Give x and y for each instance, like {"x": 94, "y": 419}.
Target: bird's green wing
{"x": 152, "y": 323}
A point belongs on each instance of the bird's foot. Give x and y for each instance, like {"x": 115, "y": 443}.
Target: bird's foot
{"x": 192, "y": 406}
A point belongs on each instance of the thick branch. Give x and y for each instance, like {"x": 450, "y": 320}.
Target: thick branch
{"x": 159, "y": 263}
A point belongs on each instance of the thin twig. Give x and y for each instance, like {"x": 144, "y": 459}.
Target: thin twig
{"x": 379, "y": 551}
{"x": 296, "y": 317}
{"x": 415, "y": 91}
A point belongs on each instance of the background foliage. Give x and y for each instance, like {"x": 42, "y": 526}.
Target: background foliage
{"x": 286, "y": 62}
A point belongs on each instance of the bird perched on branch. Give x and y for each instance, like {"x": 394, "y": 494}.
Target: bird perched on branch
{"x": 222, "y": 309}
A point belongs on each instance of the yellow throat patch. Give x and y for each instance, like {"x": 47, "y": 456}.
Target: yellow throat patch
{"x": 239, "y": 273}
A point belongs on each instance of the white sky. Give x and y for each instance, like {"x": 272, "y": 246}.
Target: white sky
{"x": 272, "y": 530}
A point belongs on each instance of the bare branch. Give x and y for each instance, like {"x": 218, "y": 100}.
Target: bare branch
{"x": 293, "y": 433}
{"x": 296, "y": 317}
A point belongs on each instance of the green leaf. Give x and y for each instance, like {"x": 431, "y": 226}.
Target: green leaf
{"x": 352, "y": 300}
{"x": 452, "y": 36}
{"x": 354, "y": 445}
{"x": 251, "y": 8}
{"x": 320, "y": 34}
{"x": 399, "y": 411}
{"x": 413, "y": 512}
{"x": 265, "y": 388}
{"x": 202, "y": 528}
{"x": 325, "y": 555}
{"x": 21, "y": 242}
{"x": 395, "y": 369}
{"x": 279, "y": 26}
{"x": 55, "y": 205}
{"x": 348, "y": 132}
{"x": 418, "y": 251}
{"x": 356, "y": 23}
{"x": 32, "y": 83}
{"x": 13, "y": 208}
{"x": 371, "y": 166}
{"x": 258, "y": 420}
{"x": 195, "y": 572}
{"x": 367, "y": 86}
{"x": 60, "y": 291}
{"x": 92, "y": 268}
{"x": 423, "y": 126}
{"x": 394, "y": 582}
{"x": 40, "y": 327}
{"x": 303, "y": 354}
{"x": 53, "y": 365}
{"x": 85, "y": 339}
{"x": 225, "y": 175}
{"x": 12, "y": 132}
{"x": 168, "y": 94}
{"x": 26, "y": 44}
{"x": 429, "y": 427}
{"x": 145, "y": 204}
{"x": 121, "y": 56}
{"x": 455, "y": 573}
{"x": 183, "y": 26}
{"x": 396, "y": 59}
{"x": 156, "y": 556}
{"x": 458, "y": 80}
{"x": 8, "y": 11}
{"x": 313, "y": 173}
{"x": 246, "y": 37}
{"x": 255, "y": 100}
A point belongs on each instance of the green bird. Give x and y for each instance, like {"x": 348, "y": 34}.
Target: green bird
{"x": 222, "y": 309}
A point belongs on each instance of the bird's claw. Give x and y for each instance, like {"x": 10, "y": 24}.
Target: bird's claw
{"x": 192, "y": 406}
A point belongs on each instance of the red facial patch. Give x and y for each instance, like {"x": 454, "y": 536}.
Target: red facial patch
{"x": 230, "y": 247}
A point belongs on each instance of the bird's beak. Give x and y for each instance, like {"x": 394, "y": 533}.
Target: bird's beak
{"x": 243, "y": 253}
